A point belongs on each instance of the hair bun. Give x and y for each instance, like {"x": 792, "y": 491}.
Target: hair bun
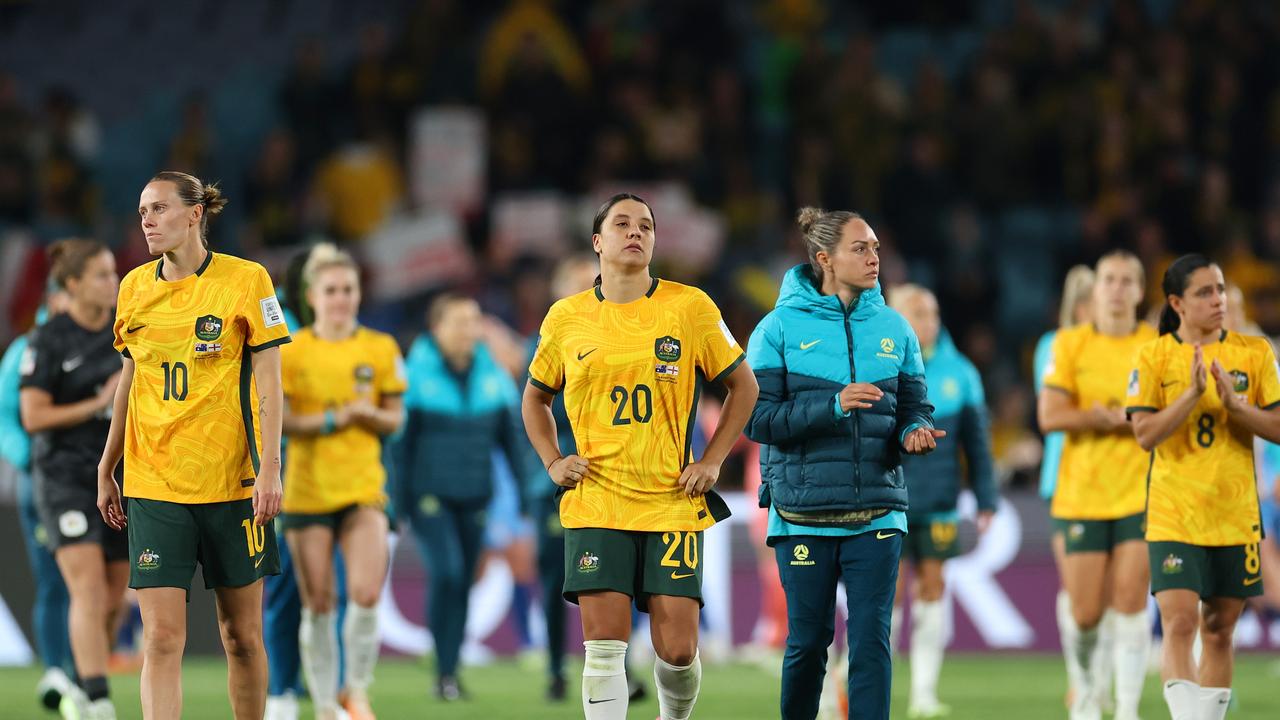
{"x": 213, "y": 199}
{"x": 807, "y": 217}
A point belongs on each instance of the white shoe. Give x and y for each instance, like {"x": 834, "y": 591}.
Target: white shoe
{"x": 1086, "y": 708}
{"x": 74, "y": 704}
{"x": 51, "y": 687}
{"x": 282, "y": 707}
{"x": 927, "y": 710}
{"x": 101, "y": 709}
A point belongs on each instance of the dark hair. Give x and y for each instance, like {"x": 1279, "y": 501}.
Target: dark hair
{"x": 603, "y": 212}
{"x": 68, "y": 258}
{"x": 194, "y": 192}
{"x": 441, "y": 302}
{"x": 1175, "y": 283}
{"x": 821, "y": 230}
{"x": 295, "y": 289}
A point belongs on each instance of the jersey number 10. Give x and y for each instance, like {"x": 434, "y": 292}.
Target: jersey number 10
{"x": 175, "y": 381}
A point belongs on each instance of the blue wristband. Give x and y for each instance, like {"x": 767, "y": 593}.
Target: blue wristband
{"x": 330, "y": 422}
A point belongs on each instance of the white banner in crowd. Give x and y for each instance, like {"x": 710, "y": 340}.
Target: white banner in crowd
{"x": 448, "y": 152}
{"x": 411, "y": 253}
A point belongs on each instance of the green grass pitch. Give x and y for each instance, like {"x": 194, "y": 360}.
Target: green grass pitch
{"x": 978, "y": 687}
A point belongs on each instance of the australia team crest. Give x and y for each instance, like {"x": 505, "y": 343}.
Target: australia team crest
{"x": 208, "y": 327}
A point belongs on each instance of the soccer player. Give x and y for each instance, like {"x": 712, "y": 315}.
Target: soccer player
{"x": 842, "y": 395}
{"x": 1198, "y": 396}
{"x": 1074, "y": 309}
{"x": 49, "y": 611}
{"x": 933, "y": 484}
{"x": 1101, "y": 492}
{"x": 461, "y": 407}
{"x": 629, "y": 356}
{"x": 197, "y": 418}
{"x": 342, "y": 386}
{"x": 68, "y": 379}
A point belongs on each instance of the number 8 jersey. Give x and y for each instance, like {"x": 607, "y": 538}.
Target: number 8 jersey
{"x": 1201, "y": 487}
{"x": 191, "y": 434}
{"x": 631, "y": 375}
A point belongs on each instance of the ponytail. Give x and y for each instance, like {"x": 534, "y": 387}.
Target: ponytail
{"x": 1169, "y": 320}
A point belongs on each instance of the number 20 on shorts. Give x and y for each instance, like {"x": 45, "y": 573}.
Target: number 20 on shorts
{"x": 673, "y": 541}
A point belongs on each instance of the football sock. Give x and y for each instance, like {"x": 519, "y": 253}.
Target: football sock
{"x": 1132, "y": 639}
{"x": 1214, "y": 703}
{"x": 604, "y": 680}
{"x": 1183, "y": 699}
{"x": 927, "y": 643}
{"x": 361, "y": 642}
{"x": 318, "y": 641}
{"x": 677, "y": 687}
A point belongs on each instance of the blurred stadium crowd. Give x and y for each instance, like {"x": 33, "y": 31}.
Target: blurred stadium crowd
{"x": 991, "y": 144}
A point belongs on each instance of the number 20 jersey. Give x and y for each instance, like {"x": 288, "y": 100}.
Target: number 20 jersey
{"x": 191, "y": 434}
{"x": 630, "y": 374}
{"x": 1202, "y": 489}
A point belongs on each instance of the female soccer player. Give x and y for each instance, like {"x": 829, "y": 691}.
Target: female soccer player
{"x": 1099, "y": 501}
{"x": 197, "y": 418}
{"x": 461, "y": 407}
{"x": 68, "y": 380}
{"x": 842, "y": 394}
{"x": 1198, "y": 396}
{"x": 1074, "y": 309}
{"x": 628, "y": 356}
{"x": 342, "y": 387}
{"x": 933, "y": 484}
{"x": 49, "y": 610}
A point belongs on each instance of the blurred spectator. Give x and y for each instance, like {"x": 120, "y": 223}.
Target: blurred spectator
{"x": 359, "y": 186}
{"x": 273, "y": 196}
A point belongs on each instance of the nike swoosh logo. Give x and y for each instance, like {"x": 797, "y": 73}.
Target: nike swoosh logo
{"x": 806, "y": 346}
{"x": 135, "y": 329}
{"x": 596, "y": 702}
{"x": 881, "y": 535}
{"x": 259, "y": 562}
{"x": 1253, "y": 581}
{"x": 680, "y": 577}
{"x": 582, "y": 355}
{"x": 72, "y": 364}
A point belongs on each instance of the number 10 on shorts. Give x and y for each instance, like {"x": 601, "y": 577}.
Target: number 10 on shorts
{"x": 255, "y": 536}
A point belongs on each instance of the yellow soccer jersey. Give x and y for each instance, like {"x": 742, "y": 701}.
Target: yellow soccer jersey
{"x": 630, "y": 375}
{"x": 329, "y": 472}
{"x": 191, "y": 435}
{"x": 1202, "y": 488}
{"x": 1102, "y": 476}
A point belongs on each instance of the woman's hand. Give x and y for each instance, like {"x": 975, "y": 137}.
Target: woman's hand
{"x": 1225, "y": 385}
{"x": 698, "y": 478}
{"x": 923, "y": 440}
{"x": 859, "y": 396}
{"x": 1199, "y": 378}
{"x": 568, "y": 471}
{"x": 109, "y": 500}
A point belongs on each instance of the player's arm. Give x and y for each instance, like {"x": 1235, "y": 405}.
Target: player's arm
{"x": 1057, "y": 410}
{"x": 311, "y": 424}
{"x": 1152, "y": 426}
{"x": 975, "y": 439}
{"x": 777, "y": 419}
{"x": 267, "y": 491}
{"x": 699, "y": 477}
{"x": 108, "y": 491}
{"x": 540, "y": 426}
{"x": 914, "y": 428}
{"x": 382, "y": 419}
{"x": 35, "y": 399}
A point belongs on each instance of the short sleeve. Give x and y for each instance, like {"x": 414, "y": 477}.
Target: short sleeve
{"x": 1268, "y": 379}
{"x": 1143, "y": 394}
{"x": 124, "y": 308}
{"x": 1060, "y": 372}
{"x": 718, "y": 352}
{"x": 546, "y": 370}
{"x": 39, "y": 365}
{"x": 395, "y": 380}
{"x": 267, "y": 327}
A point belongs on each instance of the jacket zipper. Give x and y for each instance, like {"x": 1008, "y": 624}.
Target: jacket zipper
{"x": 857, "y": 427}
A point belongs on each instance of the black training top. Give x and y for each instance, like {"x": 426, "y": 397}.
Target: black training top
{"x": 71, "y": 363}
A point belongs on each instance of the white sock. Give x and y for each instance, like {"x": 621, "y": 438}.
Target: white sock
{"x": 1067, "y": 632}
{"x": 677, "y": 687}
{"x": 927, "y": 642}
{"x": 895, "y": 630}
{"x": 1214, "y": 703}
{"x": 1183, "y": 699}
{"x": 1104, "y": 659}
{"x": 1132, "y": 638}
{"x": 1083, "y": 653}
{"x": 361, "y": 642}
{"x": 604, "y": 680}
{"x": 318, "y": 641}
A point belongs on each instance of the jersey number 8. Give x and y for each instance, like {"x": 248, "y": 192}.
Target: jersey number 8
{"x": 1204, "y": 436}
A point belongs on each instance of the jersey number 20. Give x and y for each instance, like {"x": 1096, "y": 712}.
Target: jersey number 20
{"x": 641, "y": 412}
